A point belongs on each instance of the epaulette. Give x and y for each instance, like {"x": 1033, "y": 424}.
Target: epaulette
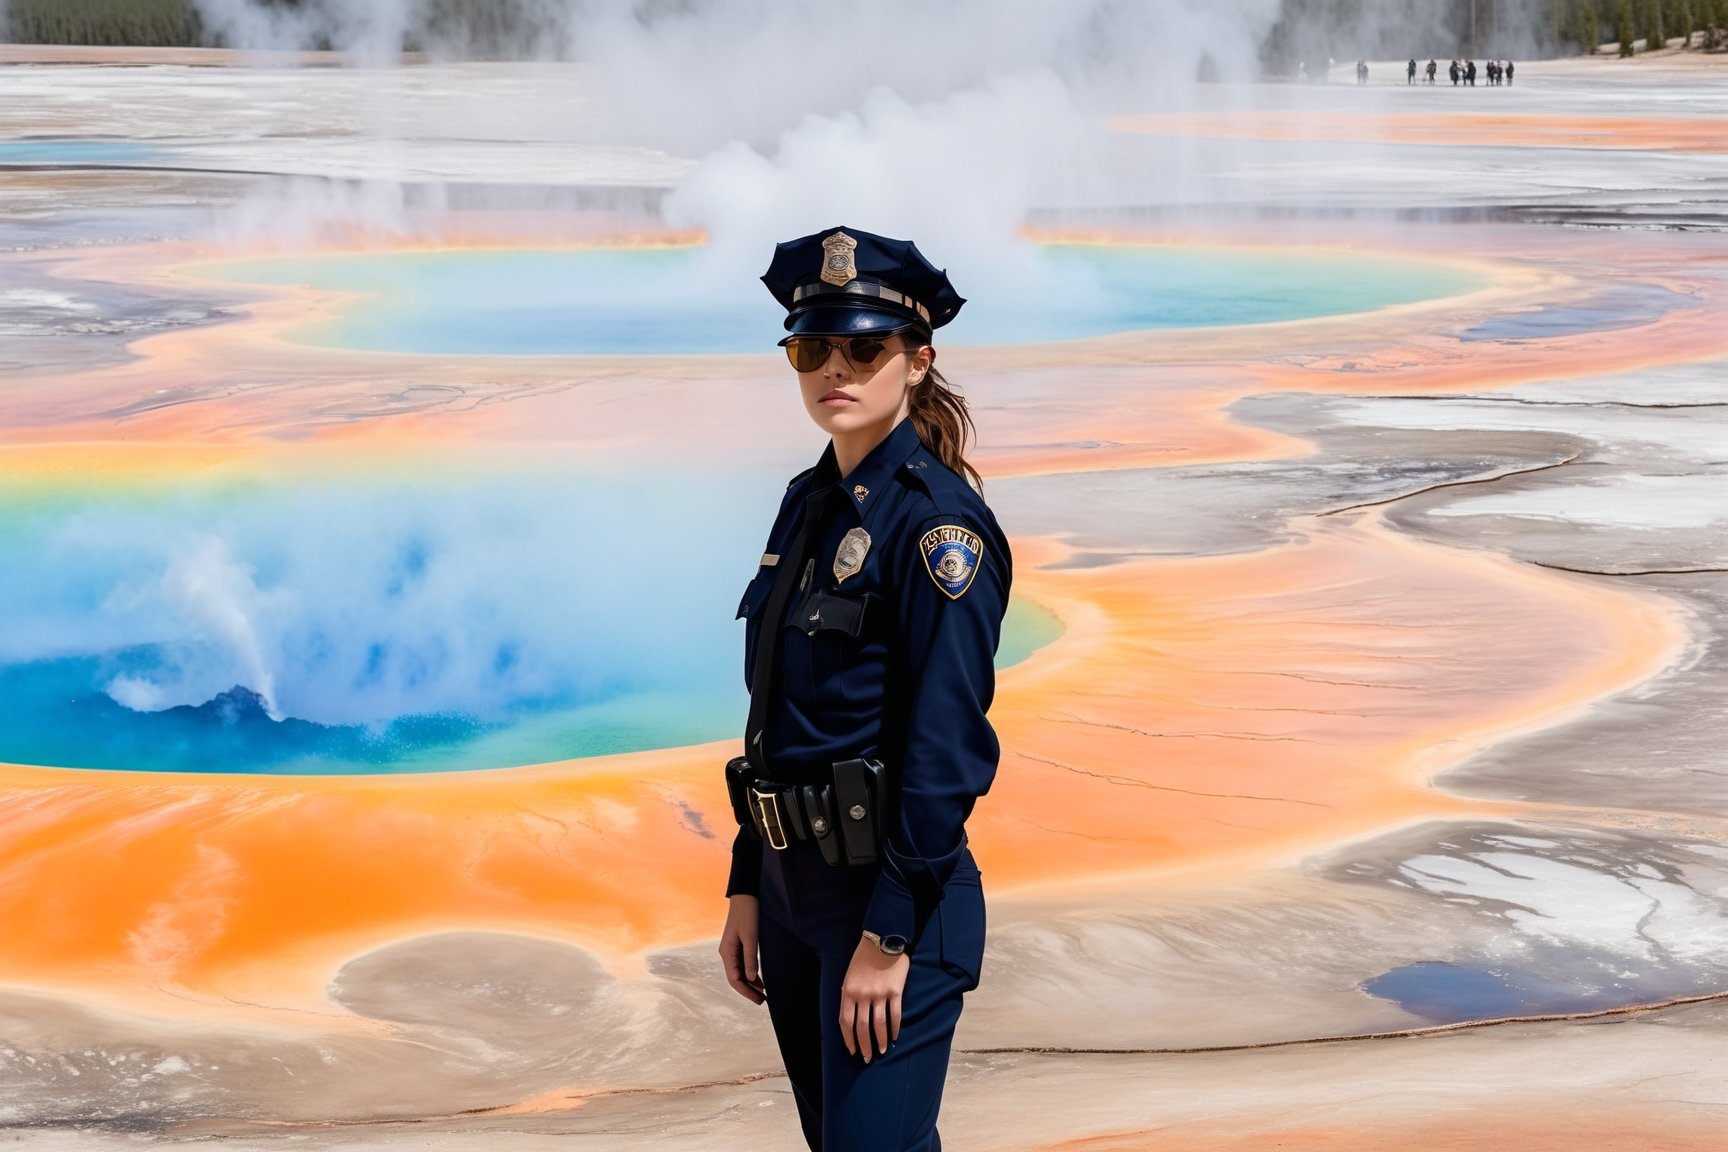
{"x": 946, "y": 488}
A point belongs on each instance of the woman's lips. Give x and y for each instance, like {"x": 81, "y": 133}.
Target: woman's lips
{"x": 836, "y": 397}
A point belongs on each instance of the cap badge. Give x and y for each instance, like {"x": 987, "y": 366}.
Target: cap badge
{"x": 838, "y": 267}
{"x": 849, "y": 559}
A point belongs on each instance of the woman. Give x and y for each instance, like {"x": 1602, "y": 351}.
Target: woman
{"x": 871, "y": 628}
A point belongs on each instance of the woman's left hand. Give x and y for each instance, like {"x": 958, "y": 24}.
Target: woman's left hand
{"x": 870, "y": 999}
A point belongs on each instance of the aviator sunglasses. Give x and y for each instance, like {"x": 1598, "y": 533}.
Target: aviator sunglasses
{"x": 862, "y": 353}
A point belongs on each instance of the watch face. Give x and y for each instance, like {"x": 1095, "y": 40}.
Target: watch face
{"x": 894, "y": 945}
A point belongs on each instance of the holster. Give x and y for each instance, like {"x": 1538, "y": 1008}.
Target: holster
{"x": 740, "y": 774}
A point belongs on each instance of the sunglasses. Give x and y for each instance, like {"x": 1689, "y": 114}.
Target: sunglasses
{"x": 808, "y": 353}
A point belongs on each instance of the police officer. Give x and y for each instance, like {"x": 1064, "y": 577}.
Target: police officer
{"x": 855, "y": 907}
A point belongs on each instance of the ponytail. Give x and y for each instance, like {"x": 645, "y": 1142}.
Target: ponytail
{"x": 938, "y": 412}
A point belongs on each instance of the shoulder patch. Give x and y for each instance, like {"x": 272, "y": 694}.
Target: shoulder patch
{"x": 951, "y": 556}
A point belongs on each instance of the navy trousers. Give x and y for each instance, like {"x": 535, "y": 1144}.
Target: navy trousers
{"x": 812, "y": 915}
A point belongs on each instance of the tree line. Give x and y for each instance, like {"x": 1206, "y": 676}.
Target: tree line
{"x": 497, "y": 29}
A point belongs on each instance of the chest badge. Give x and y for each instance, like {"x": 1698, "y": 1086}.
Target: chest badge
{"x": 951, "y": 556}
{"x": 849, "y": 558}
{"x": 838, "y": 266}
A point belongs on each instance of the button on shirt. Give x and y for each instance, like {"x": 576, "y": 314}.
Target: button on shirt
{"x": 886, "y": 661}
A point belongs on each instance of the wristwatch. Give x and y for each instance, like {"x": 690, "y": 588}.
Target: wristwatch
{"x": 890, "y": 945}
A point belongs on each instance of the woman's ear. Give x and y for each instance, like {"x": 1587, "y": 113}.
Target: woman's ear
{"x": 921, "y": 362}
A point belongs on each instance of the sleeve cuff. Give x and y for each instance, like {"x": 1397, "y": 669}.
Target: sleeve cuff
{"x": 745, "y": 879}
{"x": 892, "y": 911}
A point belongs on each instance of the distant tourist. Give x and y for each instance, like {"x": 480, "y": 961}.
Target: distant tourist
{"x": 1453, "y": 71}
{"x": 1493, "y": 67}
{"x": 1433, "y": 66}
{"x": 1470, "y": 73}
{"x": 1508, "y": 71}
{"x": 1410, "y": 71}
{"x": 1361, "y": 71}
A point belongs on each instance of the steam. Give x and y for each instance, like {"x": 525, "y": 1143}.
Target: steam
{"x": 386, "y": 600}
{"x": 213, "y": 599}
{"x": 958, "y": 174}
{"x": 759, "y": 61}
{"x": 949, "y": 122}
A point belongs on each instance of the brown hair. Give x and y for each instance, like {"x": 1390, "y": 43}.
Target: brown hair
{"x": 940, "y": 416}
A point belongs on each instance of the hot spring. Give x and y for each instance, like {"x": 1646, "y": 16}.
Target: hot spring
{"x": 463, "y": 618}
{"x": 367, "y": 624}
{"x": 679, "y": 300}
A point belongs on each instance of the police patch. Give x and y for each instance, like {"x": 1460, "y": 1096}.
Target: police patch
{"x": 951, "y": 556}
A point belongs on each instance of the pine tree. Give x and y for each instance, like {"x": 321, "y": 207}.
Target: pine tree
{"x": 1623, "y": 25}
{"x": 1677, "y": 20}
{"x": 1589, "y": 34}
{"x": 1654, "y": 36}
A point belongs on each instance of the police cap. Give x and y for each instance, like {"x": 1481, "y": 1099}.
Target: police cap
{"x": 843, "y": 281}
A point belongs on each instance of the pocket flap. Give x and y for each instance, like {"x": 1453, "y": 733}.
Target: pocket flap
{"x": 755, "y": 595}
{"x": 830, "y": 611}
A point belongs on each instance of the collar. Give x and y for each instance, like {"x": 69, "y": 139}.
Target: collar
{"x": 865, "y": 485}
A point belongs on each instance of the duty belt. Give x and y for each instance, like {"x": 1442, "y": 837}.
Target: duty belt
{"x": 784, "y": 812}
{"x": 846, "y": 815}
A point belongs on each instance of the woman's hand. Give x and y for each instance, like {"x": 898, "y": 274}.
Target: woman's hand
{"x": 870, "y": 999}
{"x": 738, "y": 948}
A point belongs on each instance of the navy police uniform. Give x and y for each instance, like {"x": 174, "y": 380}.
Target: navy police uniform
{"x": 887, "y": 645}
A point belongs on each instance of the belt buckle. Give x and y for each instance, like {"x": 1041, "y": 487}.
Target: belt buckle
{"x": 768, "y": 811}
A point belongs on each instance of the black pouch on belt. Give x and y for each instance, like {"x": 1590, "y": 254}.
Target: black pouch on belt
{"x": 740, "y": 774}
{"x": 818, "y": 803}
{"x": 860, "y": 799}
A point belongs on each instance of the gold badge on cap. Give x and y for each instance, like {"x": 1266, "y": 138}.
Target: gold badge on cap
{"x": 849, "y": 559}
{"x": 838, "y": 267}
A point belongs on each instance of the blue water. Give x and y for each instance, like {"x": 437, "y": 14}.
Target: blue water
{"x": 680, "y": 301}
{"x": 425, "y": 623}
{"x": 1612, "y": 309}
{"x": 1450, "y": 993}
{"x": 118, "y": 152}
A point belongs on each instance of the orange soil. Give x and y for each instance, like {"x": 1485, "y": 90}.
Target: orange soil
{"x": 1218, "y": 713}
{"x": 1450, "y": 129}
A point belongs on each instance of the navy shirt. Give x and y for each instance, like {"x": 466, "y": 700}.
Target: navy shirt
{"x": 892, "y": 658}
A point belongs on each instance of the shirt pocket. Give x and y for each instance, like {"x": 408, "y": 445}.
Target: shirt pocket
{"x": 832, "y": 654}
